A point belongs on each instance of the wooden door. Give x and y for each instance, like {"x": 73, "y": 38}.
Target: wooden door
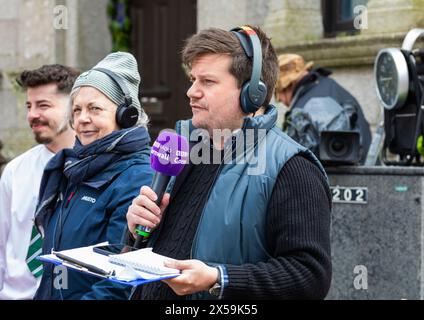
{"x": 159, "y": 30}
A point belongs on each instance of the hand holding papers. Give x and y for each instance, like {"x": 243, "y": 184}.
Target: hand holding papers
{"x": 141, "y": 266}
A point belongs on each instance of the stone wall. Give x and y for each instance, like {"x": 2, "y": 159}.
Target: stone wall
{"x": 279, "y": 18}
{"x": 88, "y": 38}
{"x": 27, "y": 41}
{"x": 291, "y": 21}
{"x": 232, "y": 13}
{"x": 33, "y": 33}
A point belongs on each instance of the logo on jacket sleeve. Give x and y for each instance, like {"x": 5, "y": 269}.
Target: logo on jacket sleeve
{"x": 88, "y": 199}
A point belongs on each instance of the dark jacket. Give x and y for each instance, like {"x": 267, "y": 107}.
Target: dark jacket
{"x": 317, "y": 84}
{"x": 92, "y": 212}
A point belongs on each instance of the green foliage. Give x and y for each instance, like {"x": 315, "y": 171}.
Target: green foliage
{"x": 119, "y": 25}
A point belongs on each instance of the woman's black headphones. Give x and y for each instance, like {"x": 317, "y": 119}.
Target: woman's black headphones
{"x": 126, "y": 114}
{"x": 254, "y": 91}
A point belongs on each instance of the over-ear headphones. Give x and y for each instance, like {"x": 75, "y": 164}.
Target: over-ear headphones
{"x": 126, "y": 114}
{"x": 253, "y": 92}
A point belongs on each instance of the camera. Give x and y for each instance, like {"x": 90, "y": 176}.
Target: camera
{"x": 339, "y": 147}
{"x": 329, "y": 129}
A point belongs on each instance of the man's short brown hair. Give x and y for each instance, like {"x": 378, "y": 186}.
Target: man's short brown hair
{"x": 214, "y": 40}
{"x": 63, "y": 76}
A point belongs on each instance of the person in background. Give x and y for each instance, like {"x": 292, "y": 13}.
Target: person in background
{"x": 86, "y": 191}
{"x": 298, "y": 83}
{"x": 237, "y": 233}
{"x": 47, "y": 97}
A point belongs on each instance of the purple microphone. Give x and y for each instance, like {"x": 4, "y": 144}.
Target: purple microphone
{"x": 168, "y": 156}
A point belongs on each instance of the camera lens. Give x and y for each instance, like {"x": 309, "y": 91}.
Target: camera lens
{"x": 338, "y": 147}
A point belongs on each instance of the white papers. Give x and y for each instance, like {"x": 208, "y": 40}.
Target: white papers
{"x": 87, "y": 256}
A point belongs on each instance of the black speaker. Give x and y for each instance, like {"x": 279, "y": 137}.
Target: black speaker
{"x": 339, "y": 147}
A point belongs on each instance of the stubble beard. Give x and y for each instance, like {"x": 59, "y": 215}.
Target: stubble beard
{"x": 57, "y": 130}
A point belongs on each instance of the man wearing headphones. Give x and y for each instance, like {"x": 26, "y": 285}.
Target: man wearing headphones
{"x": 236, "y": 233}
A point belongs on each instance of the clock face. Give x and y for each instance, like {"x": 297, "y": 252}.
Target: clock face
{"x": 391, "y": 75}
{"x": 387, "y": 78}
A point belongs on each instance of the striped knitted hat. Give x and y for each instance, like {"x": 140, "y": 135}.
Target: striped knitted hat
{"x": 122, "y": 64}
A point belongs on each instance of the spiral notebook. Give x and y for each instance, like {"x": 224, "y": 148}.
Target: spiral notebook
{"x": 144, "y": 260}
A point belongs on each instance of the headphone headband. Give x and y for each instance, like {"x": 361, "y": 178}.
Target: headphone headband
{"x": 126, "y": 114}
{"x": 251, "y": 45}
{"x": 119, "y": 82}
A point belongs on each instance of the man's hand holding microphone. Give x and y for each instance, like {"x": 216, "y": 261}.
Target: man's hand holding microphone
{"x": 144, "y": 211}
{"x": 168, "y": 156}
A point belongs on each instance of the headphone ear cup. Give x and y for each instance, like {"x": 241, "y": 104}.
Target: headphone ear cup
{"x": 244, "y": 98}
{"x": 249, "y": 106}
{"x": 126, "y": 116}
{"x": 262, "y": 93}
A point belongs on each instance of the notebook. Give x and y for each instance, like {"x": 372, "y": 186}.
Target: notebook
{"x": 144, "y": 260}
{"x": 87, "y": 261}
